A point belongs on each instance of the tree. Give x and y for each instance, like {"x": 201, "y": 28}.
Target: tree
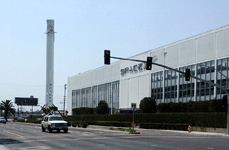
{"x": 7, "y": 106}
{"x": 148, "y": 105}
{"x": 102, "y": 107}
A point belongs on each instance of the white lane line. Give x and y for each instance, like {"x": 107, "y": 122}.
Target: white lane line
{"x": 210, "y": 148}
{"x": 34, "y": 148}
{"x": 34, "y": 140}
{"x": 12, "y": 133}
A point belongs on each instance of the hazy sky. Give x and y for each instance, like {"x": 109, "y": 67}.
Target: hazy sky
{"x": 85, "y": 28}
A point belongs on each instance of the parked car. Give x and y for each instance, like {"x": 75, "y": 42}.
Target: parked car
{"x": 2, "y": 120}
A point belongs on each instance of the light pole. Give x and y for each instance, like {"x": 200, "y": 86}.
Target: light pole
{"x": 163, "y": 96}
{"x": 111, "y": 99}
{"x": 61, "y": 107}
{"x": 64, "y": 96}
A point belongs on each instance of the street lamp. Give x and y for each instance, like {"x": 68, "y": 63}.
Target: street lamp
{"x": 61, "y": 107}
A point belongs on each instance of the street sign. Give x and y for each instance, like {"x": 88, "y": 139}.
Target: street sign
{"x": 133, "y": 106}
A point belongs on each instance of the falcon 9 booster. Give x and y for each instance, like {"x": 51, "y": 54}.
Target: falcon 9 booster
{"x": 49, "y": 63}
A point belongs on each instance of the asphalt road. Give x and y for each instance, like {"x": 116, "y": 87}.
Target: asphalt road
{"x": 20, "y": 136}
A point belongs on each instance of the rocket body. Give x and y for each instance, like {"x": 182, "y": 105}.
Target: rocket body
{"x": 50, "y": 63}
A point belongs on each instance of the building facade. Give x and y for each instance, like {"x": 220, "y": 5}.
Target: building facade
{"x": 125, "y": 82}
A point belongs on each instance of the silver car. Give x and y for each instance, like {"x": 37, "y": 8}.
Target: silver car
{"x": 2, "y": 120}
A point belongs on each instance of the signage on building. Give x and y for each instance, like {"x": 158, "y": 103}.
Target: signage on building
{"x": 133, "y": 69}
{"x": 140, "y": 67}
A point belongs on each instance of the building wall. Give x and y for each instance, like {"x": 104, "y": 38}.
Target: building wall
{"x": 135, "y": 82}
{"x": 204, "y": 54}
{"x": 91, "y": 78}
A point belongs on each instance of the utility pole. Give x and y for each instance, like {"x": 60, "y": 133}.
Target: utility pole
{"x": 111, "y": 99}
{"x": 64, "y": 96}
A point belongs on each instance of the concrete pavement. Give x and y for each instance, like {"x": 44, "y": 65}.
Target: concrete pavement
{"x": 142, "y": 131}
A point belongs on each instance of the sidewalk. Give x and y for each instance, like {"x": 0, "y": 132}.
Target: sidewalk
{"x": 184, "y": 132}
{"x": 99, "y": 128}
{"x": 107, "y": 128}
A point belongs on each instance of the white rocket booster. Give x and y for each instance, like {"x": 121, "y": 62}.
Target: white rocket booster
{"x": 49, "y": 62}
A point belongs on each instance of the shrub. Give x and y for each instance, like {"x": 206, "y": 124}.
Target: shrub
{"x": 82, "y": 124}
{"x": 110, "y": 123}
{"x": 69, "y": 123}
{"x": 216, "y": 119}
{"x": 166, "y": 126}
{"x": 21, "y": 120}
{"x": 74, "y": 123}
{"x": 102, "y": 107}
{"x": 148, "y": 105}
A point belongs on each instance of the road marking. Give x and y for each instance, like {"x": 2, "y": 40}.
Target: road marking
{"x": 210, "y": 148}
{"x": 34, "y": 140}
{"x": 88, "y": 134}
{"x": 3, "y": 147}
{"x": 154, "y": 145}
{"x": 12, "y": 133}
{"x": 34, "y": 148}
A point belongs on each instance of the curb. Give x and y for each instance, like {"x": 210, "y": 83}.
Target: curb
{"x": 104, "y": 130}
{"x": 185, "y": 132}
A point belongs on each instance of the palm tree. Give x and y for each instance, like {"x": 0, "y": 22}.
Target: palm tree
{"x": 7, "y": 107}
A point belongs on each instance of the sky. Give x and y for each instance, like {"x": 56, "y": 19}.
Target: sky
{"x": 85, "y": 28}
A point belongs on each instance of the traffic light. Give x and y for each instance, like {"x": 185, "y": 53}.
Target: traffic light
{"x": 107, "y": 57}
{"x": 149, "y": 63}
{"x": 187, "y": 75}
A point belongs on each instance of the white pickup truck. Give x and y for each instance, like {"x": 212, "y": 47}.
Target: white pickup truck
{"x": 54, "y": 122}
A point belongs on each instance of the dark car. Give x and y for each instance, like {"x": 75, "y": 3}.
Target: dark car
{"x": 2, "y": 120}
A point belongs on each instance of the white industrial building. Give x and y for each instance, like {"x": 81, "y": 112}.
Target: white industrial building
{"x": 125, "y": 82}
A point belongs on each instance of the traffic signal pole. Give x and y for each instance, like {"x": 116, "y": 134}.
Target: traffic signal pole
{"x": 192, "y": 76}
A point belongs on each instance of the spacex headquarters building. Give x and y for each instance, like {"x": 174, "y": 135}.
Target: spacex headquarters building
{"x": 125, "y": 82}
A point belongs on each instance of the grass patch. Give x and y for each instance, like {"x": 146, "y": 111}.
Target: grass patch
{"x": 130, "y": 130}
{"x": 118, "y": 129}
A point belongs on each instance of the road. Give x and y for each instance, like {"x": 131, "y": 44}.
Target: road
{"x": 21, "y": 136}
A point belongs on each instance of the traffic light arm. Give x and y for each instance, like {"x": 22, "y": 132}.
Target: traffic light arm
{"x": 128, "y": 59}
